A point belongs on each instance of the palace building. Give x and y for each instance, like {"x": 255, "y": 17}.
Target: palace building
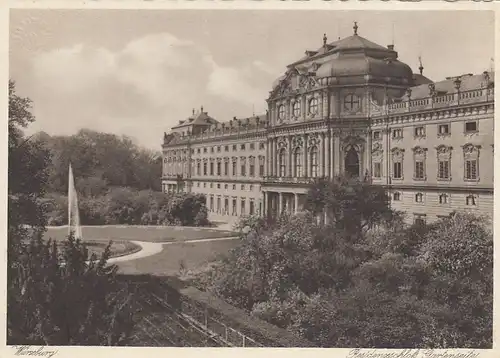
{"x": 351, "y": 107}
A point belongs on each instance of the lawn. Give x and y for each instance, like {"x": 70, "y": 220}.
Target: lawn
{"x": 192, "y": 256}
{"x": 138, "y": 233}
{"x": 118, "y": 248}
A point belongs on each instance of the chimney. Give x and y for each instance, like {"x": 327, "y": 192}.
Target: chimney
{"x": 390, "y": 47}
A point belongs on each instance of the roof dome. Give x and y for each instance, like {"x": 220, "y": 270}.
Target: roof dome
{"x": 357, "y": 56}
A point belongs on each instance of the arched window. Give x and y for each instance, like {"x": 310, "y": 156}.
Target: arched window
{"x": 352, "y": 163}
{"x": 443, "y": 199}
{"x": 419, "y": 198}
{"x": 281, "y": 112}
{"x": 313, "y": 106}
{"x": 470, "y": 200}
{"x": 296, "y": 109}
{"x": 282, "y": 162}
{"x": 297, "y": 160}
{"x": 396, "y": 196}
{"x": 314, "y": 161}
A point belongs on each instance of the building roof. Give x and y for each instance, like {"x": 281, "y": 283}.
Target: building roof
{"x": 198, "y": 118}
{"x": 467, "y": 82}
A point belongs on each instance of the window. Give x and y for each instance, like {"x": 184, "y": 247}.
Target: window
{"x": 444, "y": 162}
{"x": 397, "y": 163}
{"x": 243, "y": 168}
{"x": 377, "y": 135}
{"x": 252, "y": 208}
{"x": 218, "y": 149}
{"x": 419, "y": 132}
{"x": 198, "y": 168}
{"x": 297, "y": 161}
{"x": 211, "y": 185}
{"x": 226, "y": 206}
{"x": 443, "y": 129}
{"x": 198, "y": 184}
{"x": 419, "y": 198}
{"x": 281, "y": 112}
{"x": 234, "y": 186}
{"x": 252, "y": 167}
{"x": 226, "y": 148}
{"x": 234, "y": 208}
{"x": 313, "y": 106}
{"x": 243, "y": 205}
{"x": 351, "y": 102}
{"x": 199, "y": 151}
{"x": 234, "y": 168}
{"x": 261, "y": 169}
{"x": 211, "y": 149}
{"x": 218, "y": 186}
{"x": 242, "y": 187}
{"x": 470, "y": 127}
{"x": 296, "y": 109}
{"x": 470, "y": 200}
{"x": 419, "y": 169}
{"x": 262, "y": 145}
{"x": 419, "y": 219}
{"x": 211, "y": 168}
{"x": 211, "y": 203}
{"x": 471, "y": 169}
{"x": 234, "y": 147}
{"x": 282, "y": 162}
{"x": 205, "y": 168}
{"x": 225, "y": 186}
{"x": 242, "y": 146}
{"x": 314, "y": 161}
{"x": 471, "y": 160}
{"x": 226, "y": 168}
{"x": 397, "y": 133}
{"x": 250, "y": 187}
{"x": 443, "y": 199}
{"x": 218, "y": 205}
{"x": 204, "y": 150}
{"x": 419, "y": 156}
{"x": 377, "y": 170}
{"x": 204, "y": 185}
{"x": 252, "y": 146}
{"x": 219, "y": 170}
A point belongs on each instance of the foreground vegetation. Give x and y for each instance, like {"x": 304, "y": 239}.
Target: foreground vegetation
{"x": 365, "y": 279}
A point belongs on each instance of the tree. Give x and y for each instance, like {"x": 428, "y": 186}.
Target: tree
{"x": 53, "y": 297}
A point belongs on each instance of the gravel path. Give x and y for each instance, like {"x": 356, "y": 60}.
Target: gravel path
{"x": 153, "y": 248}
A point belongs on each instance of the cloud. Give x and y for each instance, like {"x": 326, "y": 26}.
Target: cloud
{"x": 144, "y": 87}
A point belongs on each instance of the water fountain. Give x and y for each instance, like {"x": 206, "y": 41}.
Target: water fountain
{"x": 73, "y": 213}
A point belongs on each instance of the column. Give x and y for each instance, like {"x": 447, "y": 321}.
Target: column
{"x": 268, "y": 156}
{"x": 336, "y": 155}
{"x": 264, "y": 206}
{"x": 306, "y": 169}
{"x": 322, "y": 155}
{"x": 273, "y": 158}
{"x": 296, "y": 197}
{"x": 332, "y": 151}
{"x": 289, "y": 169}
{"x": 280, "y": 203}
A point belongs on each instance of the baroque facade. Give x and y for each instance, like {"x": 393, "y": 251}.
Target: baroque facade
{"x": 349, "y": 107}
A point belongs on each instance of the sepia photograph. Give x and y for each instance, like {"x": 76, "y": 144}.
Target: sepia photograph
{"x": 250, "y": 178}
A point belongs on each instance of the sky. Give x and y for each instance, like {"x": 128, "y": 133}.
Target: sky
{"x": 138, "y": 72}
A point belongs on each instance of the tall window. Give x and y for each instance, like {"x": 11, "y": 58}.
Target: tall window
{"x": 211, "y": 168}
{"x": 252, "y": 207}
{"x": 297, "y": 161}
{"x": 198, "y": 168}
{"x": 234, "y": 207}
{"x": 443, "y": 199}
{"x": 471, "y": 160}
{"x": 205, "y": 168}
{"x": 397, "y": 163}
{"x": 281, "y": 112}
{"x": 234, "y": 167}
{"x": 313, "y": 106}
{"x": 226, "y": 167}
{"x": 219, "y": 170}
{"x": 243, "y": 166}
{"x": 282, "y": 162}
{"x": 211, "y": 203}
{"x": 419, "y": 160}
{"x": 252, "y": 166}
{"x": 444, "y": 162}
{"x": 261, "y": 165}
{"x": 314, "y": 161}
{"x": 296, "y": 109}
{"x": 419, "y": 198}
{"x": 219, "y": 208}
{"x": 243, "y": 206}
{"x": 226, "y": 206}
